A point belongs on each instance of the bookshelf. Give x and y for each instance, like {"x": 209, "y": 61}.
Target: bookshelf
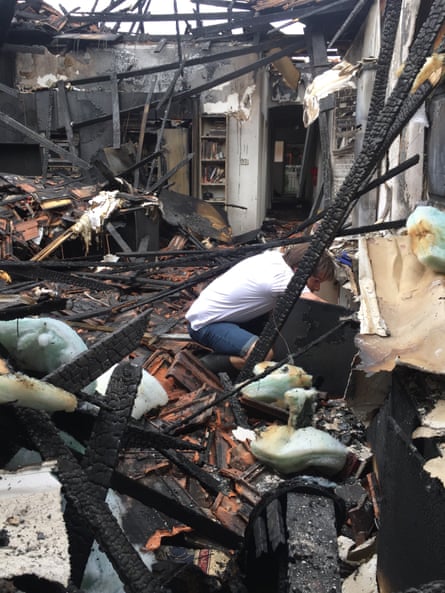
{"x": 213, "y": 155}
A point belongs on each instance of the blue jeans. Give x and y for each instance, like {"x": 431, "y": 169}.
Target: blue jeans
{"x": 224, "y": 337}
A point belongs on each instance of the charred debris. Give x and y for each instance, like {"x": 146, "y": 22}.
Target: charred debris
{"x": 173, "y": 499}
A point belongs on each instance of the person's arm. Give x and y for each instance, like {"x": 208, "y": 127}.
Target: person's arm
{"x": 311, "y": 296}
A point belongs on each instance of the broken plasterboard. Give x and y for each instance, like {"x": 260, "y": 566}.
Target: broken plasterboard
{"x": 411, "y": 300}
{"x": 35, "y": 540}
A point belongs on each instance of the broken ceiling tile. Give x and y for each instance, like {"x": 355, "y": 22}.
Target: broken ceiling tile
{"x": 33, "y": 546}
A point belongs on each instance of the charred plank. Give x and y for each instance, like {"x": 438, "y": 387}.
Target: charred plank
{"x": 101, "y": 456}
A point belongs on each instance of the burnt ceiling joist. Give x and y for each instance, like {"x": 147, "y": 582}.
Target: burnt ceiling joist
{"x": 288, "y": 50}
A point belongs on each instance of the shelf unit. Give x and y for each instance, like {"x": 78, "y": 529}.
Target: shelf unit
{"x": 213, "y": 159}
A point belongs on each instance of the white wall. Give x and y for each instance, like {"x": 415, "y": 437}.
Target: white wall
{"x": 241, "y": 101}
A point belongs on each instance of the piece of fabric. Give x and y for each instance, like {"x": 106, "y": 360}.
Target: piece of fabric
{"x": 244, "y": 292}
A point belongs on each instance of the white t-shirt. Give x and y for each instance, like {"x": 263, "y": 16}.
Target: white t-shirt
{"x": 244, "y": 292}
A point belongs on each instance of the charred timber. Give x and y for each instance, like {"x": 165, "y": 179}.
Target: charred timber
{"x": 390, "y": 23}
{"x": 101, "y": 457}
{"x": 194, "y": 517}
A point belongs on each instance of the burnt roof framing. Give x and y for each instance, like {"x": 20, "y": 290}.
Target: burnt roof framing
{"x": 202, "y": 59}
{"x": 289, "y": 49}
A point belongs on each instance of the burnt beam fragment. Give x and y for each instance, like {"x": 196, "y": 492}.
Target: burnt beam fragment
{"x": 43, "y": 307}
{"x": 187, "y": 514}
{"x": 312, "y": 544}
{"x": 291, "y": 539}
{"x": 143, "y": 437}
{"x": 204, "y": 478}
{"x": 101, "y": 457}
{"x": 30, "y": 269}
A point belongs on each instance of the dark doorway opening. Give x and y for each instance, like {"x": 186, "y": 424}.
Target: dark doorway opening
{"x": 287, "y": 141}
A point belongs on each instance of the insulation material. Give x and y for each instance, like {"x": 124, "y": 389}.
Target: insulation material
{"x": 32, "y": 393}
{"x": 33, "y": 546}
{"x": 426, "y": 229}
{"x": 410, "y": 299}
{"x": 288, "y": 450}
{"x": 273, "y": 386}
{"x": 335, "y": 79}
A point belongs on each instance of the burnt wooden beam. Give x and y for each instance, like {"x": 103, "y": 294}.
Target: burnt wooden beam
{"x": 153, "y": 187}
{"x": 4, "y": 88}
{"x": 115, "y": 111}
{"x": 278, "y": 536}
{"x": 28, "y": 270}
{"x": 117, "y": 237}
{"x": 187, "y": 514}
{"x": 44, "y": 307}
{"x": 203, "y": 59}
{"x": 101, "y": 456}
{"x": 224, "y": 4}
{"x": 66, "y": 116}
{"x": 264, "y": 19}
{"x": 16, "y": 125}
{"x": 361, "y": 4}
{"x": 312, "y": 544}
{"x": 143, "y": 436}
{"x": 203, "y": 87}
{"x": 143, "y": 126}
{"x": 319, "y": 60}
{"x": 210, "y": 483}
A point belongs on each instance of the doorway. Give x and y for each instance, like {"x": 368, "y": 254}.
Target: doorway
{"x": 287, "y": 141}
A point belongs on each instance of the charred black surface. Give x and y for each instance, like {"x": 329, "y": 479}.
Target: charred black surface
{"x": 390, "y": 22}
{"x": 277, "y": 535}
{"x": 433, "y": 587}
{"x": 46, "y": 306}
{"x": 7, "y": 8}
{"x": 190, "y": 515}
{"x": 28, "y": 270}
{"x": 101, "y": 456}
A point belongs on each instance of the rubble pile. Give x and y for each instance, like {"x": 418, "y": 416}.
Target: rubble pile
{"x": 189, "y": 487}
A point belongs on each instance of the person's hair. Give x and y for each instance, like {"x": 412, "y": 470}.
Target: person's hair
{"x": 325, "y": 268}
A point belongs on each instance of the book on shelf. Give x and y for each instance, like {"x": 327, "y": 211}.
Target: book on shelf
{"x": 212, "y": 150}
{"x": 212, "y": 174}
